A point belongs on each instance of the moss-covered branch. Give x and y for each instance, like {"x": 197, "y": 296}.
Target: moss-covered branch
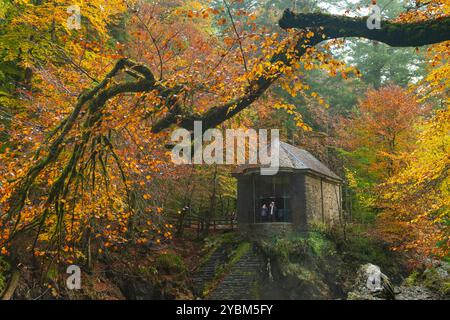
{"x": 93, "y": 102}
{"x": 394, "y": 34}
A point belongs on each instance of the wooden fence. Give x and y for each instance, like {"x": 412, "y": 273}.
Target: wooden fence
{"x": 199, "y": 223}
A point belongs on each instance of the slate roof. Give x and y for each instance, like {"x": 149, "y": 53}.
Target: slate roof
{"x": 295, "y": 158}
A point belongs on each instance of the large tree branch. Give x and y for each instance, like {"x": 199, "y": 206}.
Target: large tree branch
{"x": 95, "y": 99}
{"x": 394, "y": 34}
{"x": 327, "y": 27}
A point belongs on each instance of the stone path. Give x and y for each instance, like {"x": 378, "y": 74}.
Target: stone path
{"x": 238, "y": 283}
{"x": 241, "y": 282}
{"x": 208, "y": 271}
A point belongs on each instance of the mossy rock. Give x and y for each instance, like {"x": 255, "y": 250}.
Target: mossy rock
{"x": 304, "y": 265}
{"x": 438, "y": 279}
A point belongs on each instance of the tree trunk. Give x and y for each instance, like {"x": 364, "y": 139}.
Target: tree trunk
{"x": 213, "y": 204}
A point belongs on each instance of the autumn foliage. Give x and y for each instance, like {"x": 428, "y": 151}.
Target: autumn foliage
{"x": 83, "y": 153}
{"x": 381, "y": 130}
{"x": 84, "y": 166}
{"x": 417, "y": 197}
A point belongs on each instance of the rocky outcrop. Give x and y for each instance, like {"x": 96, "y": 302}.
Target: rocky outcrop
{"x": 309, "y": 266}
{"x": 139, "y": 289}
{"x": 371, "y": 284}
{"x": 415, "y": 293}
{"x": 283, "y": 270}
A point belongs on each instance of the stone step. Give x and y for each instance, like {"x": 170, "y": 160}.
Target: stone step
{"x": 238, "y": 283}
{"x": 208, "y": 271}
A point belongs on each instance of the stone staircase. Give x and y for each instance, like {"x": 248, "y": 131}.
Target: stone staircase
{"x": 208, "y": 271}
{"x": 239, "y": 282}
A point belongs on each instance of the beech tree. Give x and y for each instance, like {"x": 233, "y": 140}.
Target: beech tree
{"x": 53, "y": 192}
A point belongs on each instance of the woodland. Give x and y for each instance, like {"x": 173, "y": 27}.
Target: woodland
{"x": 88, "y": 103}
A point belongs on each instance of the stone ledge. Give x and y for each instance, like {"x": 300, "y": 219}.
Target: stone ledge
{"x": 266, "y": 229}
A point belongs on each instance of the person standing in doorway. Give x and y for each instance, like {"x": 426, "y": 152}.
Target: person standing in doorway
{"x": 264, "y": 213}
{"x": 273, "y": 211}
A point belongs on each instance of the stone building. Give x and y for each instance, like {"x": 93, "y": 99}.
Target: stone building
{"x": 304, "y": 191}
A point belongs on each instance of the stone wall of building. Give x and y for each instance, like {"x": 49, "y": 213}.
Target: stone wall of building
{"x": 261, "y": 230}
{"x": 313, "y": 199}
{"x": 331, "y": 202}
{"x": 322, "y": 200}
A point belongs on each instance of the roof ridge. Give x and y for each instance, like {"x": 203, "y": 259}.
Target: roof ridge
{"x": 322, "y": 168}
{"x": 292, "y": 154}
{"x": 293, "y": 157}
